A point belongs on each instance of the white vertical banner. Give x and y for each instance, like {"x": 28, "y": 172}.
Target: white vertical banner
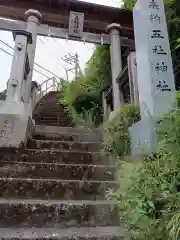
{"x": 76, "y": 24}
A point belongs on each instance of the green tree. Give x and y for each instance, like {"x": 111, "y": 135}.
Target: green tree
{"x": 83, "y": 95}
{"x": 129, "y": 4}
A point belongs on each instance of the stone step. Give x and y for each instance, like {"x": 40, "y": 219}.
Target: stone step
{"x": 48, "y": 133}
{"x": 52, "y": 120}
{"x": 46, "y": 113}
{"x": 54, "y": 100}
{"x": 49, "y": 112}
{"x": 67, "y": 130}
{"x": 51, "y": 104}
{"x": 64, "y": 145}
{"x": 51, "y": 116}
{"x": 52, "y": 109}
{"x": 53, "y": 123}
{"x": 55, "y": 156}
{"x": 57, "y": 110}
{"x": 58, "y": 214}
{"x": 58, "y": 171}
{"x": 66, "y": 137}
{"x": 54, "y": 188}
{"x": 52, "y": 94}
{"x": 83, "y": 233}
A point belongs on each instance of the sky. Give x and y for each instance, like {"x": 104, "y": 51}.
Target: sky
{"x": 49, "y": 53}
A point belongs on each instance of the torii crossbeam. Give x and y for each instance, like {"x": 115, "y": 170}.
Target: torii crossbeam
{"x": 56, "y": 14}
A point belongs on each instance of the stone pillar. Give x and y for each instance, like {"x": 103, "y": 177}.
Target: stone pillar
{"x": 33, "y": 20}
{"x": 35, "y": 87}
{"x": 132, "y": 73}
{"x": 153, "y": 55}
{"x": 116, "y": 64}
{"x": 19, "y": 66}
{"x": 14, "y": 113}
{"x": 157, "y": 93}
{"x": 105, "y": 107}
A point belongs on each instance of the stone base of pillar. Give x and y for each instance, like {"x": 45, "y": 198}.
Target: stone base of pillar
{"x": 143, "y": 137}
{"x": 15, "y": 124}
{"x": 113, "y": 114}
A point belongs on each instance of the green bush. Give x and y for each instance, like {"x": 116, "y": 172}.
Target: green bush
{"x": 149, "y": 204}
{"x": 84, "y": 107}
{"x": 116, "y": 137}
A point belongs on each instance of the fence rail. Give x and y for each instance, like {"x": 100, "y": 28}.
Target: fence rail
{"x": 50, "y": 84}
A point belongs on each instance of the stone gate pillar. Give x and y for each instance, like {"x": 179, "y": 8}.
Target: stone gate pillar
{"x": 15, "y": 118}
{"x": 132, "y": 73}
{"x": 20, "y": 66}
{"x": 116, "y": 64}
{"x": 33, "y": 20}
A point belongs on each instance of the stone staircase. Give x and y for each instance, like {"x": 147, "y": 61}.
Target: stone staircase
{"x": 50, "y": 112}
{"x": 55, "y": 188}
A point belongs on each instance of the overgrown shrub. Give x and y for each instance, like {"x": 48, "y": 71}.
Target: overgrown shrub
{"x": 83, "y": 106}
{"x": 149, "y": 202}
{"x": 116, "y": 136}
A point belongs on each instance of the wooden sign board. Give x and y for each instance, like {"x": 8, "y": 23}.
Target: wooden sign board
{"x": 76, "y": 24}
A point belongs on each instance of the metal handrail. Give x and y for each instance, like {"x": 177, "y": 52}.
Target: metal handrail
{"x": 50, "y": 84}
